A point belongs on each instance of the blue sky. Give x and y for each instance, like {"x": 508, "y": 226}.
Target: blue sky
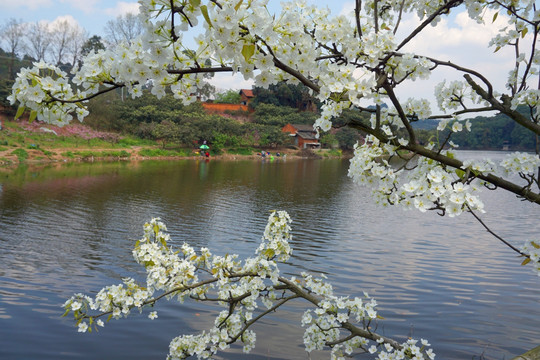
{"x": 89, "y": 14}
{"x": 93, "y": 14}
{"x": 457, "y": 38}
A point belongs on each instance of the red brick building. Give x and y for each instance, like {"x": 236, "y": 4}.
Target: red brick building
{"x": 246, "y": 96}
{"x": 304, "y": 136}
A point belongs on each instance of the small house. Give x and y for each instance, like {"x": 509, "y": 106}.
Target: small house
{"x": 246, "y": 96}
{"x": 304, "y": 136}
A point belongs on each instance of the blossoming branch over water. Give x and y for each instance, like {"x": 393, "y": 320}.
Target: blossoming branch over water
{"x": 247, "y": 291}
{"x": 358, "y": 62}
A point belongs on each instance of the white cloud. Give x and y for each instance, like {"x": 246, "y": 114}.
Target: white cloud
{"x": 86, "y": 6}
{"x": 28, "y": 4}
{"x": 462, "y": 41}
{"x": 70, "y": 20}
{"x": 123, "y": 8}
{"x": 347, "y": 9}
{"x": 226, "y": 81}
{"x": 459, "y": 39}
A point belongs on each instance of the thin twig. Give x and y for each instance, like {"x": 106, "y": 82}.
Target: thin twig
{"x": 497, "y": 236}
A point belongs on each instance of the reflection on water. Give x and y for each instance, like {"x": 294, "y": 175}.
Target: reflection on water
{"x": 72, "y": 229}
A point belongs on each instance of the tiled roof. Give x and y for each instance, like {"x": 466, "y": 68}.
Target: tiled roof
{"x": 248, "y": 93}
{"x": 303, "y": 127}
{"x": 307, "y": 135}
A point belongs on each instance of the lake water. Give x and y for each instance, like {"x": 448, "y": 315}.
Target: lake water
{"x": 72, "y": 229}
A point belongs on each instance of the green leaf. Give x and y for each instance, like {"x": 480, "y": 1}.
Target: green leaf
{"x": 109, "y": 318}
{"x": 248, "y": 50}
{"x": 66, "y": 313}
{"x": 524, "y": 32}
{"x": 163, "y": 242}
{"x": 33, "y": 115}
{"x": 269, "y": 253}
{"x": 460, "y": 173}
{"x": 195, "y": 3}
{"x": 497, "y": 48}
{"x": 526, "y": 261}
{"x": 20, "y": 111}
{"x": 204, "y": 11}
{"x": 536, "y": 246}
{"x": 237, "y": 6}
{"x": 495, "y": 16}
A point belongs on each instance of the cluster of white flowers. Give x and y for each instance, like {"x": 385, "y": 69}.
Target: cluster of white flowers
{"x": 116, "y": 300}
{"x": 37, "y": 88}
{"x": 454, "y": 95}
{"x": 428, "y": 186}
{"x": 520, "y": 163}
{"x": 529, "y": 97}
{"x": 277, "y": 234}
{"x": 409, "y": 350}
{"x": 324, "y": 326}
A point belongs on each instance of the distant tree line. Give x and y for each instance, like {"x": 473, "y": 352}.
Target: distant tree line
{"x": 62, "y": 43}
{"x": 495, "y": 133}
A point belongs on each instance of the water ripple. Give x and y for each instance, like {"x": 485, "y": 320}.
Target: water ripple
{"x": 443, "y": 279}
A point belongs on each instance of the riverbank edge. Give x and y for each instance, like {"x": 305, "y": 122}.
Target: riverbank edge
{"x": 36, "y": 157}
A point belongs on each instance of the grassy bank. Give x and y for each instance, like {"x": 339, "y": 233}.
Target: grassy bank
{"x": 36, "y": 143}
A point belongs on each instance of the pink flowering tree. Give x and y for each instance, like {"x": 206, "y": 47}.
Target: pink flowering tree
{"x": 361, "y": 62}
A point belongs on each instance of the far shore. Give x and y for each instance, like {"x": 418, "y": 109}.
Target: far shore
{"x": 37, "y": 157}
{"x": 36, "y": 144}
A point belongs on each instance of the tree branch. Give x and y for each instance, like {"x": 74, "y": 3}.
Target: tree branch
{"x": 492, "y": 179}
{"x": 258, "y": 317}
{"x": 346, "y": 325}
{"x": 101, "y": 92}
{"x": 390, "y": 91}
{"x": 442, "y": 10}
{"x": 497, "y": 236}
{"x": 504, "y": 107}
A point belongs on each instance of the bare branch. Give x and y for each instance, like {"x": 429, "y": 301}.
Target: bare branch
{"x": 442, "y": 10}
{"x": 504, "y": 107}
{"x": 497, "y": 236}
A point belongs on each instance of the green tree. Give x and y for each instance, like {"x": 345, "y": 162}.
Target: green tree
{"x": 13, "y": 32}
{"x": 228, "y": 97}
{"x": 166, "y": 132}
{"x": 269, "y": 114}
{"x": 272, "y": 137}
{"x": 285, "y": 94}
{"x": 347, "y": 137}
{"x": 329, "y": 140}
{"x": 93, "y": 44}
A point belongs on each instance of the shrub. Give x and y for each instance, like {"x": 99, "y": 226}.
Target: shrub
{"x": 241, "y": 151}
{"x": 21, "y": 154}
{"x": 162, "y": 152}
